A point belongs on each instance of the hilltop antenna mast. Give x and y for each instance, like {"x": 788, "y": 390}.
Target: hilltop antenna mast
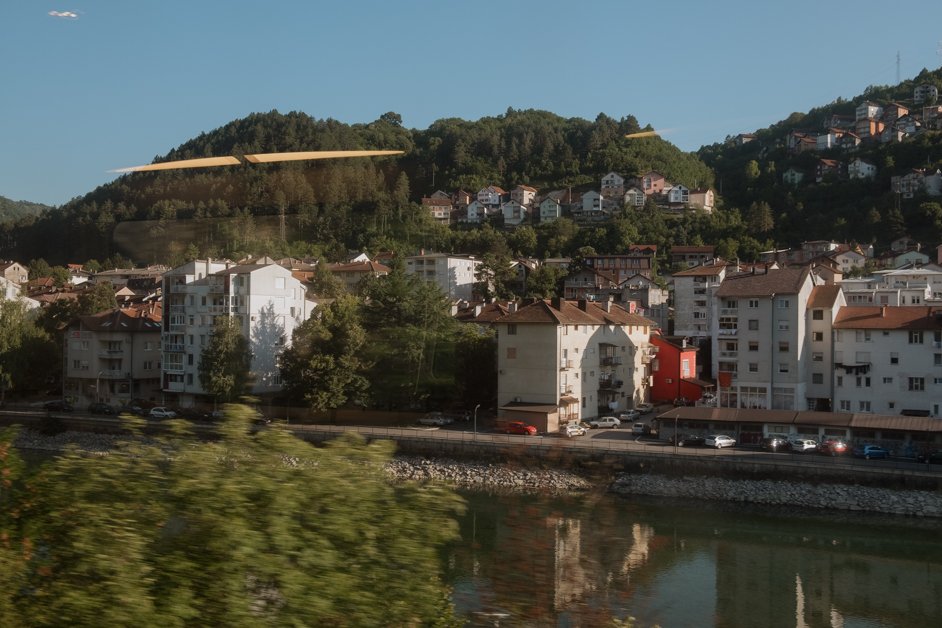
{"x": 897, "y": 68}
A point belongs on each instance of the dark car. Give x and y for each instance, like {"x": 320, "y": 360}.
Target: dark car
{"x": 100, "y": 408}
{"x": 58, "y": 405}
{"x": 687, "y": 440}
{"x": 932, "y": 457}
{"x": 682, "y": 402}
{"x": 774, "y": 443}
{"x": 832, "y": 447}
{"x": 871, "y": 451}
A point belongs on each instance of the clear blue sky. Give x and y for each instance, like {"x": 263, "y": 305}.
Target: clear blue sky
{"x": 125, "y": 81}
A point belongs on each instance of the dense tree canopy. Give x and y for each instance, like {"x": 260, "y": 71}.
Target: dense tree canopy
{"x": 254, "y": 529}
{"x": 225, "y": 361}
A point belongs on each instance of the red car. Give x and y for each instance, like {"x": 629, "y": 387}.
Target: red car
{"x": 832, "y": 447}
{"x": 519, "y": 427}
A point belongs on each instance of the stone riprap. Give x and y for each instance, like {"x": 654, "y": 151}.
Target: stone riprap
{"x": 488, "y": 476}
{"x": 780, "y": 493}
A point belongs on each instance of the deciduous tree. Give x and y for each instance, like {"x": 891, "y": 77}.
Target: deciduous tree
{"x": 225, "y": 362}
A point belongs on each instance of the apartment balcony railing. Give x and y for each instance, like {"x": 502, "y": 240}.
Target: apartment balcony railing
{"x": 610, "y": 360}
{"x": 565, "y": 365}
{"x": 565, "y": 389}
{"x": 729, "y": 354}
{"x": 110, "y": 353}
{"x": 609, "y": 384}
{"x": 173, "y": 348}
{"x": 728, "y": 331}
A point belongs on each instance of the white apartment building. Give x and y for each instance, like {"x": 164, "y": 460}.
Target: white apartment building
{"x": 693, "y": 299}
{"x": 888, "y": 360}
{"x": 571, "y": 360}
{"x": 454, "y": 274}
{"x": 264, "y": 298}
{"x": 824, "y": 303}
{"x": 760, "y": 340}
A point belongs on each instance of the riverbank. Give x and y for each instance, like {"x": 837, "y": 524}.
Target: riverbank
{"x": 513, "y": 477}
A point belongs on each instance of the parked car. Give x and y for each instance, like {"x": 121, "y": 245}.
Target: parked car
{"x": 160, "y": 412}
{"x": 630, "y": 415}
{"x": 432, "y": 418}
{"x": 932, "y": 457}
{"x": 719, "y": 441}
{"x": 640, "y": 428}
{"x": 644, "y": 408}
{"x": 133, "y": 409}
{"x": 58, "y": 405}
{"x": 687, "y": 440}
{"x": 519, "y": 427}
{"x": 573, "y": 429}
{"x": 871, "y": 451}
{"x": 100, "y": 408}
{"x": 774, "y": 443}
{"x": 605, "y": 421}
{"x": 832, "y": 447}
{"x": 802, "y": 445}
{"x": 682, "y": 401}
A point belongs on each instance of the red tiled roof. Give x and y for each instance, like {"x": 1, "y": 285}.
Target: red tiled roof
{"x": 823, "y": 296}
{"x": 888, "y": 317}
{"x": 780, "y": 281}
{"x": 705, "y": 270}
{"x": 562, "y": 312}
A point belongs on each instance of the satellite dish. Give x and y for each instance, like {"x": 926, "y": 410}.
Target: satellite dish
{"x": 258, "y": 158}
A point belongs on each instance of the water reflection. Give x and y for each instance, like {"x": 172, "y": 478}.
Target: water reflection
{"x": 581, "y": 561}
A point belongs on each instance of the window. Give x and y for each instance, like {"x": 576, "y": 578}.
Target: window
{"x": 863, "y": 335}
{"x": 730, "y": 304}
{"x": 279, "y": 283}
{"x": 700, "y": 315}
{"x": 685, "y": 368}
{"x": 917, "y": 384}
{"x": 753, "y": 324}
{"x": 783, "y": 347}
{"x": 189, "y": 379}
{"x": 784, "y": 304}
{"x": 512, "y": 329}
{"x": 840, "y": 380}
{"x": 817, "y": 315}
{"x": 753, "y": 303}
{"x": 817, "y": 357}
{"x": 753, "y": 367}
{"x": 817, "y": 378}
{"x": 838, "y": 336}
{"x": 700, "y": 303}
{"x": 937, "y": 380}
{"x": 511, "y": 353}
{"x": 189, "y": 359}
{"x": 783, "y": 325}
{"x": 783, "y": 367}
{"x": 915, "y": 337}
{"x": 817, "y": 336}
{"x": 863, "y": 406}
{"x": 894, "y": 358}
{"x": 863, "y": 382}
{"x": 753, "y": 345}
{"x": 845, "y": 405}
{"x": 887, "y": 380}
{"x": 937, "y": 359}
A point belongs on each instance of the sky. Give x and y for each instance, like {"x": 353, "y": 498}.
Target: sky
{"x": 87, "y": 86}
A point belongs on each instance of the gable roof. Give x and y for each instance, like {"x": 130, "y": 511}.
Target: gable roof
{"x": 823, "y": 296}
{"x": 582, "y": 312}
{"x": 771, "y": 282}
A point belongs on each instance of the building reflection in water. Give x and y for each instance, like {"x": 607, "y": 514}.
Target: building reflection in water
{"x": 580, "y": 563}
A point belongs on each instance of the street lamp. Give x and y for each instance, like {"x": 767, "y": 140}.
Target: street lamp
{"x": 476, "y": 420}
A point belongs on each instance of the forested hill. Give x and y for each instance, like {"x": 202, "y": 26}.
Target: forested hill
{"x": 349, "y": 203}
{"x": 751, "y": 175}
{"x": 12, "y": 211}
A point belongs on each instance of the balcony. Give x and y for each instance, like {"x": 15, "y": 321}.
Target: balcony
{"x": 176, "y": 369}
{"x": 113, "y": 374}
{"x": 177, "y": 309}
{"x": 174, "y": 387}
{"x": 173, "y": 348}
{"x": 565, "y": 389}
{"x": 729, "y": 354}
{"x": 610, "y": 360}
{"x": 610, "y": 384}
{"x": 729, "y": 311}
{"x": 728, "y": 331}
{"x": 565, "y": 365}
{"x": 110, "y": 353}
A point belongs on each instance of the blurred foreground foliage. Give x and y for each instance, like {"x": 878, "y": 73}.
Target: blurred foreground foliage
{"x": 256, "y": 528}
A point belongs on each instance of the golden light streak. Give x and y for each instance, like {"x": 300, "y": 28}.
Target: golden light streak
{"x": 258, "y": 158}
{"x": 203, "y": 162}
{"x": 641, "y": 134}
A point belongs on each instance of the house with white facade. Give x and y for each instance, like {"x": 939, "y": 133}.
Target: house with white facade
{"x": 15, "y": 272}
{"x": 523, "y": 194}
{"x": 513, "y": 212}
{"x": 491, "y": 196}
{"x": 888, "y": 360}
{"x": 613, "y": 184}
{"x": 760, "y": 340}
{"x": 677, "y": 195}
{"x": 566, "y": 361}
{"x": 550, "y": 210}
{"x": 439, "y": 208}
{"x": 703, "y": 198}
{"x": 476, "y": 212}
{"x": 849, "y": 260}
{"x": 591, "y": 203}
{"x": 266, "y": 301}
{"x": 861, "y": 169}
{"x": 454, "y": 274}
{"x": 634, "y": 197}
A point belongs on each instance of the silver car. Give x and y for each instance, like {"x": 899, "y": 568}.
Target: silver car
{"x": 719, "y": 441}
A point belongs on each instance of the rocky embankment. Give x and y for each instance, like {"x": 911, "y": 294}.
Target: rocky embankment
{"x": 489, "y": 476}
{"x": 780, "y": 493}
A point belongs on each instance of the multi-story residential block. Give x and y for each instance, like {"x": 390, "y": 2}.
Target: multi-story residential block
{"x": 454, "y": 274}
{"x": 925, "y": 92}
{"x": 266, "y": 301}
{"x": 759, "y": 338}
{"x": 639, "y": 260}
{"x": 888, "y": 360}
{"x": 693, "y": 299}
{"x": 561, "y": 361}
{"x": 114, "y": 356}
{"x": 823, "y": 305}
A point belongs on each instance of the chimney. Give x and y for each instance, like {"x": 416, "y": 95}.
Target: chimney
{"x": 583, "y": 305}
{"x": 557, "y": 303}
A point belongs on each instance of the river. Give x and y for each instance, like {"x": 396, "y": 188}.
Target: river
{"x": 579, "y": 561}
